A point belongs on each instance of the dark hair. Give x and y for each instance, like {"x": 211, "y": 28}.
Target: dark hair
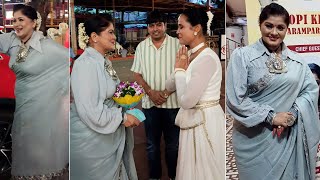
{"x": 97, "y": 24}
{"x": 155, "y": 16}
{"x": 274, "y": 9}
{"x": 315, "y": 69}
{"x": 197, "y": 16}
{"x": 26, "y": 10}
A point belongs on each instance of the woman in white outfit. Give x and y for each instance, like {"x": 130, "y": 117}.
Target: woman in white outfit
{"x": 197, "y": 80}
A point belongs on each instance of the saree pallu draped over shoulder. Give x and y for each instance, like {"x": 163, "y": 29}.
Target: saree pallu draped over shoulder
{"x": 252, "y": 93}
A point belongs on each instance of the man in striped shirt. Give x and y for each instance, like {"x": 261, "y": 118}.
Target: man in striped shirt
{"x": 153, "y": 63}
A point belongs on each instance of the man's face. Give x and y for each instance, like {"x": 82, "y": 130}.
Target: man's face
{"x": 157, "y": 30}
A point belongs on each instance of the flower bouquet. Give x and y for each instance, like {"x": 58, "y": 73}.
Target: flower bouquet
{"x": 128, "y": 95}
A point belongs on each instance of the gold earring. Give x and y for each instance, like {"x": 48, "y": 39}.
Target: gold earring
{"x": 195, "y": 33}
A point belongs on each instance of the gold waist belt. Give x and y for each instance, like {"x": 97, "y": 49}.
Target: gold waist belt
{"x": 206, "y": 104}
{"x": 200, "y": 106}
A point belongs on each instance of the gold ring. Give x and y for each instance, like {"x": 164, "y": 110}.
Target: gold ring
{"x": 183, "y": 57}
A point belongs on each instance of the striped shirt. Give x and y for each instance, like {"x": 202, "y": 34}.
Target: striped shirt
{"x": 155, "y": 66}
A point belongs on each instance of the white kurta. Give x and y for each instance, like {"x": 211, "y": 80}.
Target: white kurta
{"x": 202, "y": 148}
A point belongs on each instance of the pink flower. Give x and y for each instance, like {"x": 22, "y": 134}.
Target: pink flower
{"x": 131, "y": 88}
{"x": 117, "y": 94}
{"x": 122, "y": 85}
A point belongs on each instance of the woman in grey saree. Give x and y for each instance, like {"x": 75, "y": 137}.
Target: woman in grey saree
{"x": 40, "y": 130}
{"x": 263, "y": 97}
{"x": 100, "y": 144}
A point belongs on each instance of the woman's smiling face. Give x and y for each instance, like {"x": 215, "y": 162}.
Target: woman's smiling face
{"x": 273, "y": 31}
{"x": 23, "y": 26}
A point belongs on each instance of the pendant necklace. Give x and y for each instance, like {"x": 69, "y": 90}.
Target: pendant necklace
{"x": 23, "y": 52}
{"x": 276, "y": 64}
{"x": 108, "y": 67}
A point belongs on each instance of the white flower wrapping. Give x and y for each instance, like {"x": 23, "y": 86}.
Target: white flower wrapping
{"x": 52, "y": 33}
{"x": 83, "y": 38}
{"x": 210, "y": 16}
{"x": 38, "y": 21}
{"x": 62, "y": 27}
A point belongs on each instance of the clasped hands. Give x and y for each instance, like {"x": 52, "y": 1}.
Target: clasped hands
{"x": 280, "y": 120}
{"x": 182, "y": 59}
{"x": 158, "y": 97}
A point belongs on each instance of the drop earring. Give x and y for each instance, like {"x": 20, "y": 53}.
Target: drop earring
{"x": 195, "y": 33}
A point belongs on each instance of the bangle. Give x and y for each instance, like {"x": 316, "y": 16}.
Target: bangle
{"x": 273, "y": 117}
{"x": 179, "y": 69}
{"x": 291, "y": 120}
{"x": 125, "y": 118}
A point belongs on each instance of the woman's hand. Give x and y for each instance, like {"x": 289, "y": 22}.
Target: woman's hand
{"x": 280, "y": 121}
{"x": 131, "y": 121}
{"x": 182, "y": 59}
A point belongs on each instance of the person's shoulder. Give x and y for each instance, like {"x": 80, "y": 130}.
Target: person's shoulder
{"x": 50, "y": 45}
{"x": 86, "y": 57}
{"x": 209, "y": 56}
{"x": 211, "y": 52}
{"x": 240, "y": 51}
{"x": 252, "y": 48}
{"x": 143, "y": 43}
{"x": 9, "y": 38}
{"x": 50, "y": 42}
{"x": 295, "y": 56}
{"x": 85, "y": 61}
{"x": 171, "y": 37}
{"x": 247, "y": 53}
{"x": 11, "y": 34}
{"x": 174, "y": 39}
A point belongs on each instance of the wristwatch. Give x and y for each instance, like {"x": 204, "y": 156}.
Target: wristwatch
{"x": 291, "y": 120}
{"x": 165, "y": 95}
